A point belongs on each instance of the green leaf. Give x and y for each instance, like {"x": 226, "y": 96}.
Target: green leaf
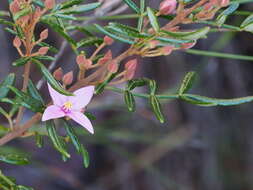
{"x": 56, "y": 139}
{"x": 22, "y": 13}
{"x": 220, "y": 102}
{"x": 89, "y": 41}
{"x": 220, "y": 20}
{"x": 73, "y": 137}
{"x": 100, "y": 88}
{"x": 192, "y": 35}
{"x": 156, "y": 107}
{"x": 141, "y": 17}
{"x": 187, "y": 82}
{"x": 127, "y": 30}
{"x": 152, "y": 86}
{"x": 132, "y": 5}
{"x": 247, "y": 24}
{"x": 51, "y": 80}
{"x": 44, "y": 58}
{"x": 80, "y": 9}
{"x": 39, "y": 140}
{"x": 86, "y": 158}
{"x": 13, "y": 159}
{"x": 3, "y": 21}
{"x": 57, "y": 28}
{"x": 114, "y": 36}
{"x": 153, "y": 19}
{"x": 21, "y": 61}
{"x": 8, "y": 81}
{"x": 33, "y": 91}
{"x": 136, "y": 83}
{"x": 129, "y": 101}
{"x": 27, "y": 101}
{"x": 70, "y": 3}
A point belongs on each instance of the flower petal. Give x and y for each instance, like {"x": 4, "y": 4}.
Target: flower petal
{"x": 58, "y": 99}
{"x": 82, "y": 120}
{"x": 52, "y": 112}
{"x": 82, "y": 97}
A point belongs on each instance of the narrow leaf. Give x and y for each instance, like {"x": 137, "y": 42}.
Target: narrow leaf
{"x": 153, "y": 19}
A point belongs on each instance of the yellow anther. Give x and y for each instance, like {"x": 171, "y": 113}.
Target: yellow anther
{"x": 68, "y": 105}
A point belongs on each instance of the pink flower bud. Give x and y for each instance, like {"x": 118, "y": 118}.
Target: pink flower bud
{"x": 37, "y": 13}
{"x": 80, "y": 59}
{"x": 58, "y": 73}
{"x": 14, "y": 7}
{"x": 49, "y": 4}
{"x": 113, "y": 67}
{"x": 68, "y": 78}
{"x": 131, "y": 65}
{"x": 44, "y": 34}
{"x": 17, "y": 42}
{"x": 224, "y": 3}
{"x": 43, "y": 50}
{"x": 24, "y": 19}
{"x": 188, "y": 45}
{"x": 152, "y": 44}
{"x": 167, "y": 50}
{"x": 129, "y": 74}
{"x": 167, "y": 7}
{"x": 108, "y": 40}
{"x": 87, "y": 63}
{"x": 208, "y": 6}
{"x": 107, "y": 57}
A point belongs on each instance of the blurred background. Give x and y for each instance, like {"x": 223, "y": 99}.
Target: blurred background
{"x": 198, "y": 148}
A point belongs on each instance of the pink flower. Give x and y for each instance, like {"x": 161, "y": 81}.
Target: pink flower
{"x": 167, "y": 7}
{"x": 70, "y": 106}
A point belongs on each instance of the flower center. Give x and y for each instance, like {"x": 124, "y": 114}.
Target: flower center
{"x": 67, "y": 106}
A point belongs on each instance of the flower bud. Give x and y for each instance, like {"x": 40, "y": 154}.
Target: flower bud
{"x": 167, "y": 7}
{"x": 44, "y": 34}
{"x": 113, "y": 67}
{"x": 68, "y": 78}
{"x": 224, "y": 3}
{"x": 107, "y": 57}
{"x": 43, "y": 50}
{"x": 188, "y": 45}
{"x": 17, "y": 42}
{"x": 82, "y": 62}
{"x": 152, "y": 44}
{"x": 131, "y": 65}
{"x": 58, "y": 73}
{"x": 14, "y": 7}
{"x": 166, "y": 50}
{"x": 129, "y": 74}
{"x": 108, "y": 40}
{"x": 80, "y": 59}
{"x": 49, "y": 4}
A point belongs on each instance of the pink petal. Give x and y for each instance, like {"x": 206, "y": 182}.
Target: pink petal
{"x": 52, "y": 112}
{"x": 82, "y": 97}
{"x": 82, "y": 120}
{"x": 58, "y": 99}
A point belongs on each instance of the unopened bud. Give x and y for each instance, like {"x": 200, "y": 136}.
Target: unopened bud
{"x": 108, "y": 40}
{"x": 43, "y": 50}
{"x": 49, "y": 4}
{"x": 224, "y": 3}
{"x": 44, "y": 34}
{"x": 167, "y": 7}
{"x": 152, "y": 44}
{"x": 188, "y": 45}
{"x": 131, "y": 65}
{"x": 58, "y": 74}
{"x": 166, "y": 50}
{"x": 68, "y": 78}
{"x": 82, "y": 62}
{"x": 37, "y": 13}
{"x": 14, "y": 7}
{"x": 16, "y": 42}
{"x": 113, "y": 67}
{"x": 129, "y": 74}
{"x": 107, "y": 57}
